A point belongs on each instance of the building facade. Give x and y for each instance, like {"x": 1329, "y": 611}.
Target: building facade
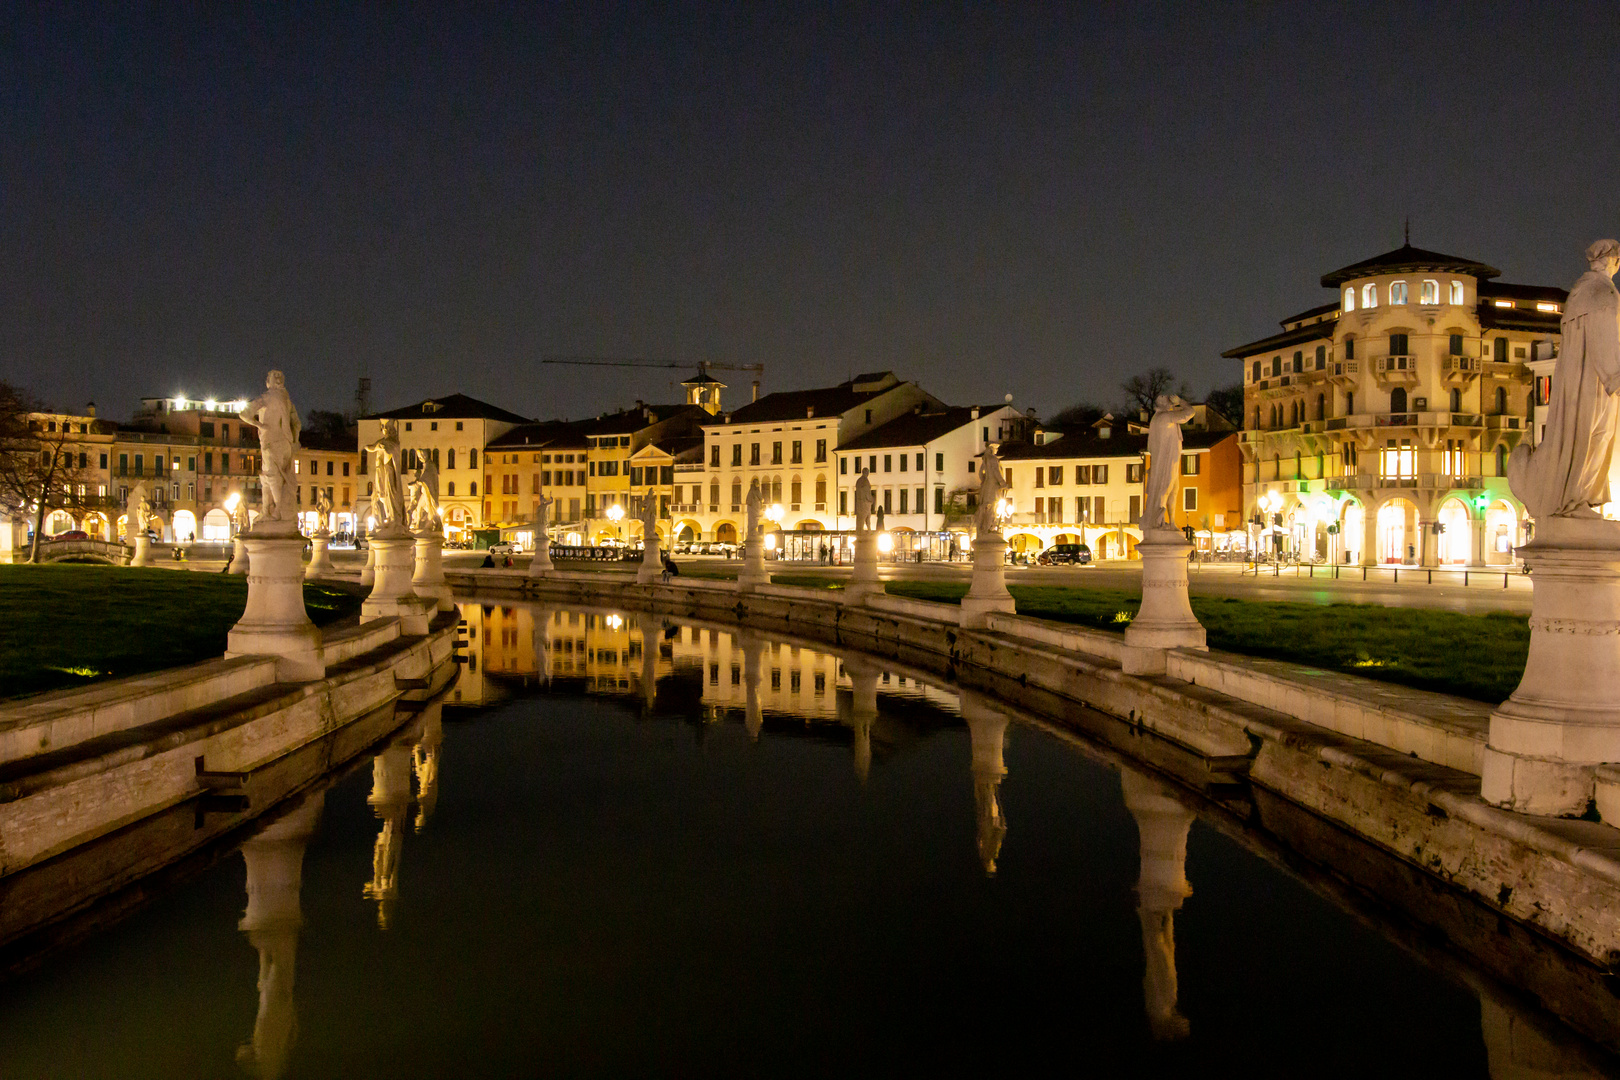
{"x": 1379, "y": 424}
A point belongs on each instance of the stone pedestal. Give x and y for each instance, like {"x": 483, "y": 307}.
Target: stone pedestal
{"x": 753, "y": 567}
{"x": 863, "y": 579}
{"x": 320, "y": 559}
{"x": 1548, "y": 738}
{"x": 428, "y": 579}
{"x": 1166, "y": 620}
{"x": 541, "y": 563}
{"x": 239, "y": 554}
{"x": 143, "y": 551}
{"x": 988, "y": 592}
{"x": 652, "y": 566}
{"x": 368, "y": 572}
{"x": 275, "y": 622}
{"x": 392, "y": 593}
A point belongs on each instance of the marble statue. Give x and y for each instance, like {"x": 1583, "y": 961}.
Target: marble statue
{"x": 241, "y": 516}
{"x": 649, "y": 519}
{"x": 1567, "y": 474}
{"x": 389, "y": 499}
{"x": 756, "y": 506}
{"x": 323, "y": 507}
{"x": 1164, "y": 458}
{"x": 273, "y": 414}
{"x": 991, "y": 484}
{"x": 542, "y": 517}
{"x": 138, "y": 509}
{"x": 424, "y": 500}
{"x": 865, "y": 499}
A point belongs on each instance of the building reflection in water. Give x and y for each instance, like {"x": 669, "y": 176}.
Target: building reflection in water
{"x": 1162, "y": 823}
{"x": 275, "y": 869}
{"x": 987, "y": 728}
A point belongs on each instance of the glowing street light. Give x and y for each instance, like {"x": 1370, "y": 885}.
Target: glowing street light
{"x": 615, "y": 514}
{"x": 885, "y": 542}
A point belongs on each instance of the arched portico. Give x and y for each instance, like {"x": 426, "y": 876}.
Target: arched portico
{"x": 725, "y": 532}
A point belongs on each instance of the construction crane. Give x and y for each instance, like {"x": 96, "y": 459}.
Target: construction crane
{"x": 703, "y": 366}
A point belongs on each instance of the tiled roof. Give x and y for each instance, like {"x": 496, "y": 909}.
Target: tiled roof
{"x": 553, "y": 433}
{"x": 451, "y": 407}
{"x": 1408, "y": 259}
{"x": 1081, "y": 445}
{"x": 917, "y": 428}
{"x": 797, "y": 404}
{"x": 633, "y": 420}
{"x": 1285, "y": 340}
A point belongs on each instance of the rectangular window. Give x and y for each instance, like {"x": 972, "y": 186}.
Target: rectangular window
{"x": 939, "y": 500}
{"x": 736, "y": 455}
{"x": 904, "y": 460}
{"x": 903, "y": 494}
{"x": 1189, "y": 464}
{"x": 798, "y": 452}
{"x": 472, "y": 458}
{"x": 888, "y": 500}
{"x": 1056, "y": 475}
{"x": 1040, "y": 477}
{"x": 919, "y": 503}
{"x": 753, "y": 453}
{"x": 104, "y": 462}
{"x": 474, "y": 486}
{"x": 776, "y": 453}
{"x": 843, "y": 502}
{"x": 843, "y": 466}
{"x": 1099, "y": 474}
{"x": 1397, "y": 345}
{"x": 1082, "y": 474}
{"x": 635, "y": 476}
{"x": 714, "y": 456}
{"x": 1456, "y": 344}
{"x": 888, "y": 462}
{"x": 1136, "y": 509}
{"x": 1133, "y": 473}
{"x": 1040, "y": 504}
{"x": 821, "y": 451}
{"x": 1189, "y": 498}
{"x": 138, "y": 464}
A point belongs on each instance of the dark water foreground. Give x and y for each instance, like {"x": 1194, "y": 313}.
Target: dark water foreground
{"x": 642, "y": 850}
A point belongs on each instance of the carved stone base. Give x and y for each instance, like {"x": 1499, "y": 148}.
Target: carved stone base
{"x": 1548, "y": 738}
{"x": 863, "y": 581}
{"x": 274, "y": 623}
{"x": 428, "y": 579}
{"x": 652, "y": 564}
{"x": 320, "y": 559}
{"x": 239, "y": 555}
{"x": 753, "y": 567}
{"x": 392, "y": 593}
{"x": 988, "y": 593}
{"x": 541, "y": 563}
{"x": 1166, "y": 619}
{"x": 143, "y": 551}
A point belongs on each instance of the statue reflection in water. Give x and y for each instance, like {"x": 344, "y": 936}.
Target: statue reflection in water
{"x": 987, "y": 728}
{"x": 1162, "y": 824}
{"x": 275, "y": 869}
{"x": 425, "y": 758}
{"x": 414, "y": 751}
{"x": 863, "y": 710}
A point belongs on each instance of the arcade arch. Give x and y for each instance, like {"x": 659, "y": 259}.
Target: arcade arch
{"x": 1398, "y": 531}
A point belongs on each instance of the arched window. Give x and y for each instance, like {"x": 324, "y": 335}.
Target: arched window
{"x": 1350, "y": 299}
{"x": 1369, "y": 296}
{"x": 1397, "y": 292}
{"x": 1350, "y": 403}
{"x": 1397, "y": 400}
{"x": 1321, "y": 406}
{"x": 1456, "y": 400}
{"x": 1257, "y": 371}
{"x": 1456, "y": 292}
{"x": 1299, "y": 360}
{"x": 1321, "y": 357}
{"x": 1350, "y": 346}
{"x": 1276, "y": 365}
{"x": 1431, "y": 292}
{"x": 1501, "y": 400}
{"x": 1501, "y": 461}
{"x": 1257, "y": 417}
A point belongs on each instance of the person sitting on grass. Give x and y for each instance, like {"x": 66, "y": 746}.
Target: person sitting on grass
{"x": 670, "y": 569}
{"x": 488, "y": 563}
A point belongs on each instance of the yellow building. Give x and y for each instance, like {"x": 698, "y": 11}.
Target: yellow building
{"x": 1378, "y": 425}
{"x": 619, "y": 473}
{"x": 549, "y": 458}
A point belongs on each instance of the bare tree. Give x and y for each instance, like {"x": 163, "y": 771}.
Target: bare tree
{"x": 1080, "y": 414}
{"x": 1228, "y": 401}
{"x": 1142, "y": 391}
{"x": 38, "y": 471}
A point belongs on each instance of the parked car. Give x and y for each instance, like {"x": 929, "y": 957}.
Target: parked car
{"x": 503, "y": 548}
{"x": 72, "y": 534}
{"x": 1065, "y": 555}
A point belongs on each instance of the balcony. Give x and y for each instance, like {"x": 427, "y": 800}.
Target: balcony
{"x": 1395, "y": 368}
{"x": 686, "y": 508}
{"x": 1419, "y": 481}
{"x": 689, "y": 466}
{"x": 1459, "y": 369}
{"x": 1346, "y": 372}
{"x": 1503, "y": 422}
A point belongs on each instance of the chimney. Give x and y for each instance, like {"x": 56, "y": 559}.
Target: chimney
{"x": 975, "y": 415}
{"x": 809, "y": 412}
{"x": 90, "y": 410}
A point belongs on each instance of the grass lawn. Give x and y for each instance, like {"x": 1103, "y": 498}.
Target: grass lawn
{"x": 65, "y": 625}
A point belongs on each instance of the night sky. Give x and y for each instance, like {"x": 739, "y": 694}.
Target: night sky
{"x": 1036, "y": 200}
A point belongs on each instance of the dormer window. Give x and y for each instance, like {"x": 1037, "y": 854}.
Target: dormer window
{"x": 1456, "y": 292}
{"x": 1504, "y": 303}
{"x": 1369, "y": 295}
{"x": 1397, "y": 293}
{"x": 1431, "y": 292}
{"x": 1350, "y": 299}
{"x": 1551, "y": 309}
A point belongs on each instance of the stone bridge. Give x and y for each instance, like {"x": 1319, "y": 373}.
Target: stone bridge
{"x": 102, "y": 551}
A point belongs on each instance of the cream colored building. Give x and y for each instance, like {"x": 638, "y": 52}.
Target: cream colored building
{"x": 1378, "y": 425}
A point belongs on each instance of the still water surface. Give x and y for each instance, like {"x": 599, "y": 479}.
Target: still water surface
{"x": 606, "y": 874}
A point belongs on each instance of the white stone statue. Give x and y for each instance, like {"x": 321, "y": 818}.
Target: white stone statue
{"x": 138, "y": 509}
{"x": 865, "y": 499}
{"x": 1164, "y": 458}
{"x": 1567, "y": 475}
{"x": 424, "y": 501}
{"x": 389, "y": 499}
{"x": 649, "y": 519}
{"x": 542, "y": 518}
{"x": 991, "y": 484}
{"x": 756, "y": 507}
{"x": 323, "y": 507}
{"x": 241, "y": 516}
{"x": 273, "y": 414}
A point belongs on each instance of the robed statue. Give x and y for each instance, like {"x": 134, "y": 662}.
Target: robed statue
{"x": 649, "y": 519}
{"x": 1567, "y": 475}
{"x": 138, "y": 509}
{"x": 272, "y": 413}
{"x": 389, "y": 499}
{"x": 323, "y": 510}
{"x": 991, "y": 484}
{"x": 424, "y": 500}
{"x": 865, "y": 500}
{"x": 1164, "y": 458}
{"x": 756, "y": 506}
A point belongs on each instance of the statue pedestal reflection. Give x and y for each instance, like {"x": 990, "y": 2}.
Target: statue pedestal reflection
{"x": 753, "y": 716}
{"x": 987, "y": 728}
{"x": 1162, "y": 824}
{"x": 390, "y": 798}
{"x": 863, "y": 711}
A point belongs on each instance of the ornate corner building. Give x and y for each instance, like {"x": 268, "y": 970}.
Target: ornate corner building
{"x": 1377, "y": 426}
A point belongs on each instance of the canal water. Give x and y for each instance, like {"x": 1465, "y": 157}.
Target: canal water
{"x": 624, "y": 846}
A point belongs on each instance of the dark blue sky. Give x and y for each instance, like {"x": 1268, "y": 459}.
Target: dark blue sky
{"x": 992, "y": 199}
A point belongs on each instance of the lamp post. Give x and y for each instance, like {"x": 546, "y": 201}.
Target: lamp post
{"x": 615, "y": 514}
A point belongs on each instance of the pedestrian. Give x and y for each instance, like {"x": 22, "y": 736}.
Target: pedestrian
{"x": 670, "y": 569}
{"x": 507, "y": 562}
{"x": 488, "y": 563}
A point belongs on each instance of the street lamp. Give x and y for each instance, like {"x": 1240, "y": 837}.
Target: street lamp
{"x": 773, "y": 514}
{"x": 615, "y": 514}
